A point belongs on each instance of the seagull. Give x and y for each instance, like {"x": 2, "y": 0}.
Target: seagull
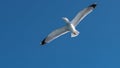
{"x": 70, "y": 25}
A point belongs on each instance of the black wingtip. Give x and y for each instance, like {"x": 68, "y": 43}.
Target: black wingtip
{"x": 93, "y": 5}
{"x": 43, "y": 42}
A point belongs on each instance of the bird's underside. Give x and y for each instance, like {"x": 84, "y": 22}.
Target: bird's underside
{"x": 70, "y": 25}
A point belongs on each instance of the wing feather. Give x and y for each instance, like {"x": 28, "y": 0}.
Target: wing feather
{"x": 55, "y": 34}
{"x": 82, "y": 14}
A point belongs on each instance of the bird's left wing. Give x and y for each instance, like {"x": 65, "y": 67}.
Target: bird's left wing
{"x": 83, "y": 14}
{"x": 55, "y": 34}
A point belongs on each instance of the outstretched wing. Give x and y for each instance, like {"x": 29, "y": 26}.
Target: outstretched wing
{"x": 55, "y": 34}
{"x": 83, "y": 14}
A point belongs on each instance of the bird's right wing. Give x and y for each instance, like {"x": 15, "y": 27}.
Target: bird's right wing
{"x": 83, "y": 14}
{"x": 55, "y": 34}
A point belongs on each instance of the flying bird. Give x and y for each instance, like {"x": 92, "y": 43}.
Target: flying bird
{"x": 70, "y": 25}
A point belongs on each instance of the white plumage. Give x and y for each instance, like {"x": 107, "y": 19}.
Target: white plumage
{"x": 70, "y": 26}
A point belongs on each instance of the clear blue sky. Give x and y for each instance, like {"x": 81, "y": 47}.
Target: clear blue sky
{"x": 24, "y": 23}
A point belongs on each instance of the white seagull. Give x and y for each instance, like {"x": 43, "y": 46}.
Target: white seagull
{"x": 70, "y": 25}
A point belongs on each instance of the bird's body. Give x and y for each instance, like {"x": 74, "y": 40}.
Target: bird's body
{"x": 70, "y": 25}
{"x": 73, "y": 30}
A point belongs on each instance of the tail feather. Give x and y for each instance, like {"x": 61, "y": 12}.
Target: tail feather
{"x": 74, "y": 34}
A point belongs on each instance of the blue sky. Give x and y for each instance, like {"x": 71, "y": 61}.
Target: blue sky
{"x": 24, "y": 23}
